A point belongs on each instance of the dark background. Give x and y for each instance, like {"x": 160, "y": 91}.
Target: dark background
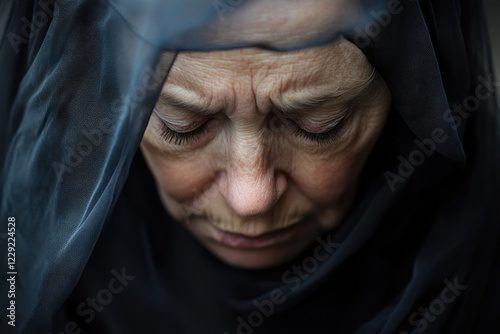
{"x": 493, "y": 14}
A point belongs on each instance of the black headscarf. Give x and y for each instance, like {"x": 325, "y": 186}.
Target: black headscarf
{"x": 97, "y": 252}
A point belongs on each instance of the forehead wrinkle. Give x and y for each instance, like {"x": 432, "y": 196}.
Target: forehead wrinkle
{"x": 284, "y": 77}
{"x": 299, "y": 100}
{"x": 229, "y": 75}
{"x": 290, "y": 72}
{"x": 263, "y": 90}
{"x": 296, "y": 86}
{"x": 197, "y": 74}
{"x": 188, "y": 99}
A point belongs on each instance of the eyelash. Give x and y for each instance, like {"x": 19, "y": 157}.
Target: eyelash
{"x": 180, "y": 138}
{"x": 324, "y": 138}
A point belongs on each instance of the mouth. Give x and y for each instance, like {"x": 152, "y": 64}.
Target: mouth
{"x": 267, "y": 239}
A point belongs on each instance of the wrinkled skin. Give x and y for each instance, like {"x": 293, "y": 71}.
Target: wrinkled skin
{"x": 250, "y": 170}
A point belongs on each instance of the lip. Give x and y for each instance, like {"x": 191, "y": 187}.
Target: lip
{"x": 264, "y": 240}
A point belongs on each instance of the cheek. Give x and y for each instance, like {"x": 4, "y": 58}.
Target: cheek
{"x": 176, "y": 176}
{"x": 330, "y": 179}
{"x": 179, "y": 180}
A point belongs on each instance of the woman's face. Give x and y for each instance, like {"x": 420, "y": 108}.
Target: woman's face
{"x": 259, "y": 152}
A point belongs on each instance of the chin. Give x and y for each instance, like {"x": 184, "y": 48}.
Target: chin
{"x": 260, "y": 258}
{"x": 258, "y": 254}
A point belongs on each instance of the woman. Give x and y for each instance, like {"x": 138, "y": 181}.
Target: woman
{"x": 267, "y": 193}
{"x": 345, "y": 184}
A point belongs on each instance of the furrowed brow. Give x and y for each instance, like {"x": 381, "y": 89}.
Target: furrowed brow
{"x": 187, "y": 101}
{"x": 312, "y": 100}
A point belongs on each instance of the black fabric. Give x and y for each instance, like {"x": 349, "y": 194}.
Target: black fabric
{"x": 204, "y": 292}
{"x": 417, "y": 253}
{"x": 357, "y": 292}
{"x": 79, "y": 81}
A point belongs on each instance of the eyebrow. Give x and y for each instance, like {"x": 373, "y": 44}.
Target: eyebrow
{"x": 315, "y": 99}
{"x": 173, "y": 100}
{"x": 302, "y": 104}
{"x": 309, "y": 101}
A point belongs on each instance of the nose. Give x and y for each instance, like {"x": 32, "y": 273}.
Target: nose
{"x": 251, "y": 185}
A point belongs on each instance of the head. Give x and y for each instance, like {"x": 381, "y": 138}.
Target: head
{"x": 258, "y": 152}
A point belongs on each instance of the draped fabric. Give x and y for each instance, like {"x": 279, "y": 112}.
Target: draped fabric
{"x": 418, "y": 252}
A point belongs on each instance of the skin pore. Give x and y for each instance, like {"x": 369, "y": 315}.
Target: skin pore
{"x": 258, "y": 151}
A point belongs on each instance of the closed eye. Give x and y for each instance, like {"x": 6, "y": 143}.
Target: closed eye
{"x": 180, "y": 138}
{"x": 332, "y": 130}
{"x": 322, "y": 138}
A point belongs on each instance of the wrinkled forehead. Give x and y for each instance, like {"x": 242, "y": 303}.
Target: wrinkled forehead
{"x": 339, "y": 64}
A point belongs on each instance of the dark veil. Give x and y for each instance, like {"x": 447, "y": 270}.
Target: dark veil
{"x": 418, "y": 252}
